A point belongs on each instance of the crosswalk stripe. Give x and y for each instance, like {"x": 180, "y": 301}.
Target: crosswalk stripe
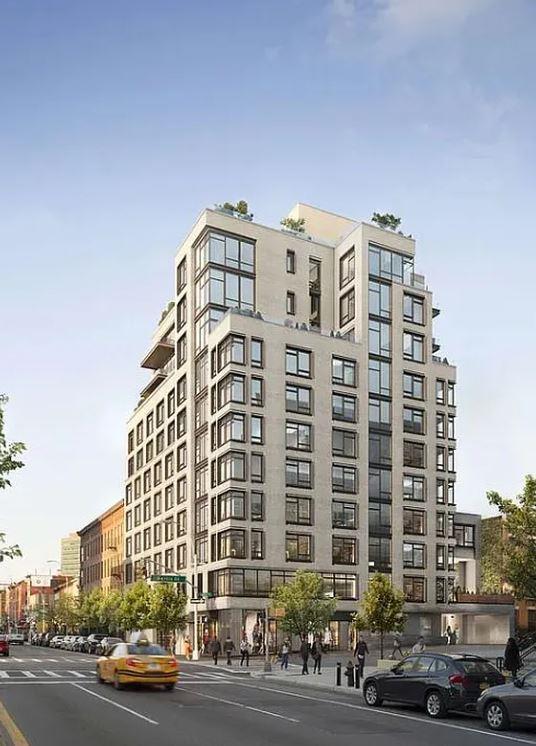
{"x": 4, "y": 675}
{"x": 78, "y": 675}
{"x": 53, "y": 674}
{"x": 29, "y": 674}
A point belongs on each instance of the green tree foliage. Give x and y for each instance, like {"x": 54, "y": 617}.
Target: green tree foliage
{"x": 135, "y": 608}
{"x": 167, "y": 608}
{"x": 492, "y": 555}
{"x": 306, "y": 608}
{"x": 9, "y": 461}
{"x": 386, "y": 220}
{"x": 90, "y": 605}
{"x": 519, "y": 538}
{"x": 294, "y": 224}
{"x": 381, "y": 608}
{"x": 109, "y": 611}
{"x": 65, "y": 613}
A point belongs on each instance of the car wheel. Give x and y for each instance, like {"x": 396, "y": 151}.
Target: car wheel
{"x": 496, "y": 716}
{"x": 169, "y": 687}
{"x": 117, "y": 684}
{"x": 371, "y": 694}
{"x": 435, "y": 705}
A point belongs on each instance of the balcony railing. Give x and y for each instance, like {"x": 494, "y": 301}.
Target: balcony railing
{"x": 467, "y": 597}
{"x": 159, "y": 354}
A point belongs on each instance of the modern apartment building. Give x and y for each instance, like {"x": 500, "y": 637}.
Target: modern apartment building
{"x": 101, "y": 551}
{"x": 297, "y": 417}
{"x": 70, "y": 556}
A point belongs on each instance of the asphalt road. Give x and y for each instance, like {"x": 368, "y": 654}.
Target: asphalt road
{"x": 51, "y": 698}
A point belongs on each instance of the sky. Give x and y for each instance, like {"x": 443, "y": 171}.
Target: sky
{"x": 121, "y": 120}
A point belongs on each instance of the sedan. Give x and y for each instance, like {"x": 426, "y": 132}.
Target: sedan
{"x": 511, "y": 704}
{"x": 56, "y": 641}
{"x": 105, "y": 644}
{"x": 79, "y": 644}
{"x": 4, "y": 645}
{"x": 437, "y": 682}
{"x": 138, "y": 663}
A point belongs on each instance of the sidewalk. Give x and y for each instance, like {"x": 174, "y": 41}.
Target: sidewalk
{"x": 327, "y": 681}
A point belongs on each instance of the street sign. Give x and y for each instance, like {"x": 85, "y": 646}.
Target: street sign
{"x": 168, "y": 578}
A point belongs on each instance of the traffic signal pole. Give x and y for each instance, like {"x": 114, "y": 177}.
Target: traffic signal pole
{"x": 195, "y": 651}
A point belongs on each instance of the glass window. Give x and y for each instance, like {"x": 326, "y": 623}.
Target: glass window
{"x": 343, "y": 407}
{"x": 414, "y": 347}
{"x": 379, "y": 484}
{"x": 257, "y": 429}
{"x": 413, "y": 386}
{"x": 298, "y": 399}
{"x": 379, "y": 377}
{"x": 379, "y": 554}
{"x": 440, "y": 391}
{"x": 291, "y": 262}
{"x": 379, "y": 299}
{"x": 343, "y": 478}
{"x": 257, "y": 506}
{"x": 257, "y": 467}
{"x": 181, "y": 276}
{"x": 343, "y": 514}
{"x": 347, "y": 308}
{"x": 344, "y": 550}
{"x": 379, "y": 519}
{"x": 298, "y": 362}
{"x": 414, "y": 454}
{"x": 298, "y": 510}
{"x": 440, "y": 458}
{"x": 414, "y": 420}
{"x": 298, "y": 547}
{"x": 451, "y": 398}
{"x": 231, "y": 350}
{"x": 231, "y": 427}
{"x": 257, "y": 353}
{"x": 232, "y": 543}
{"x": 299, "y": 473}
{"x": 347, "y": 268}
{"x": 231, "y": 465}
{"x": 441, "y": 525}
{"x": 379, "y": 338}
{"x": 291, "y": 303}
{"x": 225, "y": 250}
{"x": 257, "y": 391}
{"x": 413, "y": 309}
{"x": 344, "y": 443}
{"x": 414, "y": 555}
{"x": 440, "y": 425}
{"x": 232, "y": 389}
{"x": 299, "y": 436}
{"x": 415, "y": 592}
{"x": 231, "y": 504}
{"x": 343, "y": 371}
{"x": 414, "y": 488}
{"x": 450, "y": 427}
{"x": 257, "y": 544}
{"x": 414, "y": 522}
{"x": 379, "y": 411}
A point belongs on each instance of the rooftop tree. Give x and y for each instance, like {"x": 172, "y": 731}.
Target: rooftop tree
{"x": 386, "y": 220}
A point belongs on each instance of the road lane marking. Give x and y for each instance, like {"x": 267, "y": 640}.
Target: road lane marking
{"x": 387, "y": 713}
{"x": 115, "y": 704}
{"x": 4, "y": 675}
{"x": 29, "y": 674}
{"x": 78, "y": 675}
{"x": 53, "y": 674}
{"x": 243, "y": 706}
{"x": 13, "y": 731}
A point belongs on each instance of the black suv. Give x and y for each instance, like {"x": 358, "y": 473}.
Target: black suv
{"x": 437, "y": 682}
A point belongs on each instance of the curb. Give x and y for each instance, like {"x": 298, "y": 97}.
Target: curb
{"x": 346, "y": 690}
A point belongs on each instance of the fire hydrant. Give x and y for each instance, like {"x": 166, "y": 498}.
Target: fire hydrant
{"x": 349, "y": 673}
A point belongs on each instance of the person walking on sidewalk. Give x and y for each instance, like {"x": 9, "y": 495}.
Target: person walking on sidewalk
{"x": 215, "y": 649}
{"x": 285, "y": 652}
{"x": 304, "y": 652}
{"x": 397, "y": 648}
{"x": 512, "y": 659}
{"x": 228, "y": 648}
{"x": 361, "y": 650}
{"x": 316, "y": 652}
{"x": 420, "y": 646}
{"x": 244, "y": 650}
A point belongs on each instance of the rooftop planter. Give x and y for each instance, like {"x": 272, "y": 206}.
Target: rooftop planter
{"x": 240, "y": 210}
{"x": 294, "y": 226}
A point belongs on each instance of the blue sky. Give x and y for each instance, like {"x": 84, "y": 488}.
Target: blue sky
{"x": 121, "y": 120}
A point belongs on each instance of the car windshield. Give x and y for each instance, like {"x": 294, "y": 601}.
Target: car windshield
{"x": 477, "y": 666}
{"x": 146, "y": 650}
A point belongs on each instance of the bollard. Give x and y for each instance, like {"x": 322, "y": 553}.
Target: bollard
{"x": 499, "y": 662}
{"x": 349, "y": 673}
{"x": 338, "y": 673}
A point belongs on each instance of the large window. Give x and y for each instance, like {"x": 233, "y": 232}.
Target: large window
{"x": 390, "y": 264}
{"x": 414, "y": 454}
{"x": 257, "y": 544}
{"x": 223, "y": 288}
{"x": 257, "y": 429}
{"x": 344, "y": 550}
{"x": 232, "y": 544}
{"x": 231, "y": 350}
{"x": 379, "y": 554}
{"x": 343, "y": 478}
{"x": 414, "y": 555}
{"x": 347, "y": 308}
{"x": 225, "y": 250}
{"x": 231, "y": 465}
{"x": 231, "y": 427}
{"x": 299, "y": 473}
{"x": 414, "y": 347}
{"x": 256, "y": 502}
{"x": 298, "y": 510}
{"x": 205, "y": 324}
{"x": 231, "y": 504}
{"x": 413, "y": 386}
{"x": 298, "y": 399}
{"x": 413, "y": 309}
{"x": 415, "y": 589}
{"x": 343, "y": 407}
{"x": 299, "y": 436}
{"x": 414, "y": 420}
{"x": 379, "y": 448}
{"x": 379, "y": 411}
{"x": 414, "y": 488}
{"x": 343, "y": 371}
{"x": 347, "y": 268}
{"x": 379, "y": 299}
{"x": 414, "y": 522}
{"x": 379, "y": 484}
{"x": 379, "y": 338}
{"x": 464, "y": 535}
{"x": 343, "y": 514}
{"x": 298, "y": 547}
{"x": 232, "y": 388}
{"x": 257, "y": 391}
{"x": 379, "y": 519}
{"x": 441, "y": 557}
{"x": 379, "y": 377}
{"x": 298, "y": 362}
{"x": 344, "y": 443}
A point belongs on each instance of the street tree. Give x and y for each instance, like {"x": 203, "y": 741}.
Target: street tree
{"x": 304, "y": 603}
{"x": 135, "y": 607}
{"x": 9, "y": 462}
{"x": 65, "y": 613}
{"x": 518, "y": 539}
{"x": 386, "y": 220}
{"x": 90, "y": 608}
{"x": 168, "y": 609}
{"x": 109, "y": 611}
{"x": 382, "y": 608}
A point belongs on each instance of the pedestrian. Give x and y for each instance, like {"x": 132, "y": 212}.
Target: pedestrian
{"x": 285, "y": 652}
{"x": 304, "y": 652}
{"x": 206, "y": 640}
{"x": 316, "y": 652}
{"x": 448, "y": 634}
{"x": 187, "y": 648}
{"x": 420, "y": 646}
{"x": 244, "y": 650}
{"x": 512, "y": 659}
{"x": 397, "y": 648}
{"x": 228, "y": 647}
{"x": 215, "y": 649}
{"x": 361, "y": 650}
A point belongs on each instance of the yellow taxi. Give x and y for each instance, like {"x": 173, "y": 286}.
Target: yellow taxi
{"x": 138, "y": 662}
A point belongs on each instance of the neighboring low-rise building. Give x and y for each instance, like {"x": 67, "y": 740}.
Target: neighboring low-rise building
{"x": 101, "y": 551}
{"x": 70, "y": 556}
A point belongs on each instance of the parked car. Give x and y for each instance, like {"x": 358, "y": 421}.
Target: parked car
{"x": 4, "y": 645}
{"x": 16, "y": 638}
{"x": 105, "y": 644}
{"x": 511, "y": 704}
{"x": 79, "y": 644}
{"x": 437, "y": 682}
{"x": 92, "y": 642}
{"x": 67, "y": 642}
{"x": 55, "y": 642}
{"x": 47, "y": 637}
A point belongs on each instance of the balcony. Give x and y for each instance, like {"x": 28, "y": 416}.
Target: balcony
{"x": 158, "y": 378}
{"x": 436, "y": 346}
{"x": 159, "y": 354}
{"x": 465, "y": 597}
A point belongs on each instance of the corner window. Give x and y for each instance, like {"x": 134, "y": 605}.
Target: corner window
{"x": 347, "y": 268}
{"x": 347, "y": 308}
